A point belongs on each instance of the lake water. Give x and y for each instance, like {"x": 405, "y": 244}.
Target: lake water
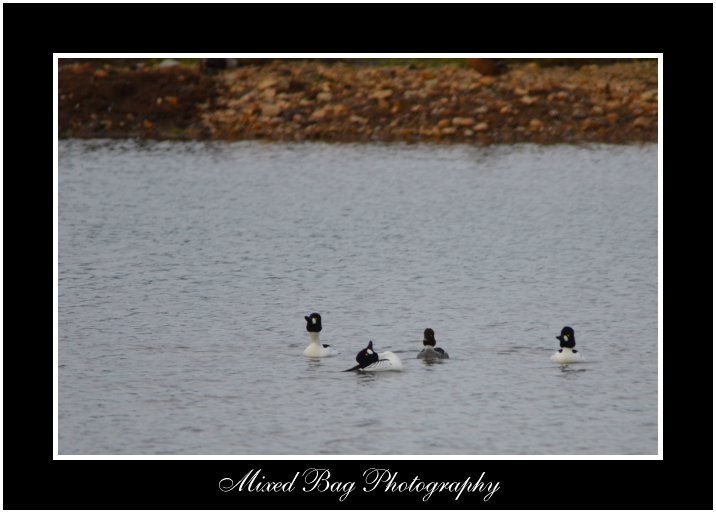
{"x": 186, "y": 270}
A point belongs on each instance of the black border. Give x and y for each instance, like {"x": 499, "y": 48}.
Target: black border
{"x": 32, "y": 480}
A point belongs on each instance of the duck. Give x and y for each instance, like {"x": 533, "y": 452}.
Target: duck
{"x": 430, "y": 352}
{"x": 371, "y": 361}
{"x": 315, "y": 349}
{"x": 567, "y": 353}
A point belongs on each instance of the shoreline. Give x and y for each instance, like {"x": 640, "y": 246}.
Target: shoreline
{"x": 293, "y": 101}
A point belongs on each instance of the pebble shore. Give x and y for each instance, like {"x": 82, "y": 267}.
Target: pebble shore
{"x": 293, "y": 100}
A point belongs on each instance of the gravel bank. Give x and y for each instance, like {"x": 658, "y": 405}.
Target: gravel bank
{"x": 339, "y": 101}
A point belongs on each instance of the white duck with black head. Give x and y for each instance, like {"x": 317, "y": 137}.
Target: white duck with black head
{"x": 567, "y": 353}
{"x": 315, "y": 349}
{"x": 370, "y": 361}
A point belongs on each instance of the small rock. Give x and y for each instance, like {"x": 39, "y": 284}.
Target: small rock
{"x": 443, "y": 123}
{"x": 168, "y": 63}
{"x": 561, "y": 95}
{"x": 101, "y": 73}
{"x": 651, "y": 108}
{"x": 270, "y": 109}
{"x": 450, "y": 130}
{"x": 528, "y": 100}
{"x": 381, "y": 94}
{"x": 487, "y": 81}
{"x": 612, "y": 117}
{"x": 554, "y": 113}
{"x": 505, "y": 110}
{"x": 463, "y": 121}
{"x": 480, "y": 127}
{"x": 324, "y": 97}
{"x": 468, "y": 132}
{"x": 251, "y": 95}
{"x": 319, "y": 114}
{"x": 597, "y": 110}
{"x": 535, "y": 124}
{"x": 358, "y": 119}
{"x": 80, "y": 68}
{"x": 641, "y": 122}
{"x": 266, "y": 83}
{"x": 649, "y": 96}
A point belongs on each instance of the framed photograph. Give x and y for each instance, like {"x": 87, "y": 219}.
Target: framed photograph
{"x": 332, "y": 280}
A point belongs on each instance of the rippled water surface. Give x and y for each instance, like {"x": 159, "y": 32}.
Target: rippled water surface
{"x": 185, "y": 270}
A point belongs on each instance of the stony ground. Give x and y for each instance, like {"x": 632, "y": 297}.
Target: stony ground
{"x": 339, "y": 101}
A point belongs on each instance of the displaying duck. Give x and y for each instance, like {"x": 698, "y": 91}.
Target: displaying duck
{"x": 567, "y": 353}
{"x": 370, "y": 361}
{"x": 430, "y": 352}
{"x": 315, "y": 348}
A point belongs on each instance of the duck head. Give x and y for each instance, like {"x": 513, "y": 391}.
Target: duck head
{"x": 313, "y": 323}
{"x": 366, "y": 356}
{"x": 566, "y": 338}
{"x": 429, "y": 337}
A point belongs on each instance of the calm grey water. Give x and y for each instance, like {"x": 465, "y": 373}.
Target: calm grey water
{"x": 185, "y": 270}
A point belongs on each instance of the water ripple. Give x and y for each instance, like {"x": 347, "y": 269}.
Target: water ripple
{"x": 185, "y": 271}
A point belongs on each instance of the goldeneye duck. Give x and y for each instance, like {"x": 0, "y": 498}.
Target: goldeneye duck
{"x": 315, "y": 348}
{"x": 430, "y": 352}
{"x": 567, "y": 353}
{"x": 370, "y": 361}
